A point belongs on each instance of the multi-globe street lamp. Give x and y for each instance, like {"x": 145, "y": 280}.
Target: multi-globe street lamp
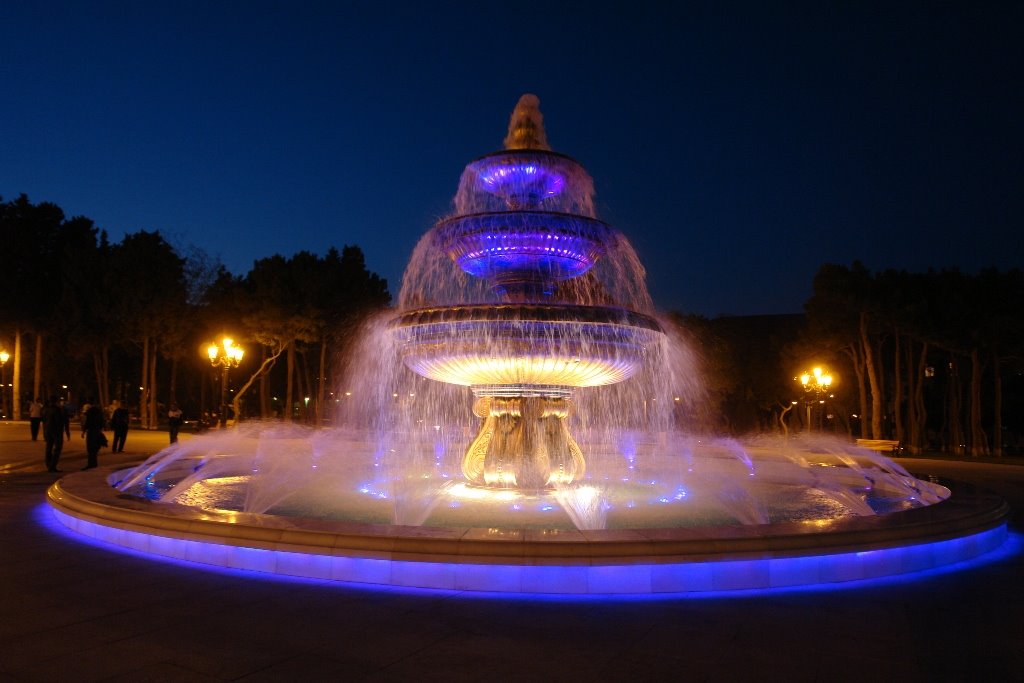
{"x": 225, "y": 356}
{"x": 816, "y": 384}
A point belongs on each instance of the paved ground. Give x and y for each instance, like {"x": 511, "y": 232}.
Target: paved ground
{"x": 75, "y": 611}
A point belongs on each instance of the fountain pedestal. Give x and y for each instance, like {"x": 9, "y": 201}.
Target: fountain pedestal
{"x": 523, "y": 442}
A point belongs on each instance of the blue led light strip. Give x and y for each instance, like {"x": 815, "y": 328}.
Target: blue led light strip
{"x": 593, "y": 580}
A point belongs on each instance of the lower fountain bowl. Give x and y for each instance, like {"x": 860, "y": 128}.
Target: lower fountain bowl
{"x": 525, "y": 344}
{"x": 624, "y": 561}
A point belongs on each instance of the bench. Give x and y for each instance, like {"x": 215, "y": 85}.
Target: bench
{"x": 881, "y": 445}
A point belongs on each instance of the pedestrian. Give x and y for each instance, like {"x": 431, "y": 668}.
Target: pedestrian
{"x": 174, "y": 421}
{"x": 92, "y": 432}
{"x": 119, "y": 423}
{"x": 35, "y": 417}
{"x": 85, "y": 409}
{"x": 55, "y": 426}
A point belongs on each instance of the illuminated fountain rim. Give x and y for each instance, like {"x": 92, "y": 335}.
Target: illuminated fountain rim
{"x": 526, "y": 312}
{"x": 525, "y": 344}
{"x": 503, "y": 244}
{"x": 548, "y": 161}
{"x": 621, "y": 561}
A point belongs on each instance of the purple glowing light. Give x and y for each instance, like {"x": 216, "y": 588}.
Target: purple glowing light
{"x": 525, "y": 245}
{"x": 605, "y": 581}
{"x": 529, "y": 182}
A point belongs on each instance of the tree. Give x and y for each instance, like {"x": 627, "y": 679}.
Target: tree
{"x": 83, "y": 316}
{"x": 149, "y": 300}
{"x": 287, "y": 303}
{"x": 28, "y": 261}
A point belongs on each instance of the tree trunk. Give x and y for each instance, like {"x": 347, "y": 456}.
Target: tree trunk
{"x": 172, "y": 394}
{"x": 37, "y": 373}
{"x": 300, "y": 373}
{"x": 16, "y": 380}
{"x": 321, "y": 406}
{"x": 782, "y": 420}
{"x": 979, "y": 440}
{"x": 307, "y": 389}
{"x": 204, "y": 392}
{"x": 265, "y": 366}
{"x": 101, "y": 363}
{"x": 997, "y": 407}
{"x": 954, "y": 428}
{"x": 878, "y": 353}
{"x": 920, "y": 411}
{"x": 872, "y": 373}
{"x": 154, "y": 422}
{"x": 143, "y": 384}
{"x": 263, "y": 387}
{"x": 289, "y": 394}
{"x": 913, "y": 435}
{"x": 897, "y": 388}
{"x": 862, "y": 392}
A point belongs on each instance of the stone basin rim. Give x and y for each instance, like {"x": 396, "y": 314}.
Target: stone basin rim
{"x": 88, "y": 496}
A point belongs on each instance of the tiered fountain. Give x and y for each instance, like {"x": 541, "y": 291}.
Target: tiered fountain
{"x": 525, "y": 305}
{"x": 531, "y": 231}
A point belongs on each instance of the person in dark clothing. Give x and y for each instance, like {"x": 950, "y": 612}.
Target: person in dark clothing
{"x": 174, "y": 422}
{"x": 55, "y": 426}
{"x": 119, "y": 423}
{"x": 92, "y": 431}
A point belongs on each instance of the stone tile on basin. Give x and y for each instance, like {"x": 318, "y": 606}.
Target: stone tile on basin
{"x": 360, "y": 569}
{"x": 555, "y": 579}
{"x": 793, "y": 571}
{"x": 489, "y": 577}
{"x": 621, "y": 578}
{"x": 739, "y": 574}
{"x": 423, "y": 574}
{"x": 681, "y": 578}
{"x": 309, "y": 565}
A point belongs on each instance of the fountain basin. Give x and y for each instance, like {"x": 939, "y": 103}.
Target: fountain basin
{"x": 525, "y": 344}
{"x": 638, "y": 561}
{"x": 523, "y": 246}
{"x": 518, "y": 179}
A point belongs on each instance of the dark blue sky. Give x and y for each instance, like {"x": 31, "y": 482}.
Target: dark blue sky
{"x": 739, "y": 145}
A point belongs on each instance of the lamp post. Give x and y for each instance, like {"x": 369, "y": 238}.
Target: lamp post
{"x": 225, "y": 356}
{"x": 4, "y": 357}
{"x": 815, "y": 384}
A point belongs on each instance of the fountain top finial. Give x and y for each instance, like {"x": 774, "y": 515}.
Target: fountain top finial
{"x": 526, "y": 125}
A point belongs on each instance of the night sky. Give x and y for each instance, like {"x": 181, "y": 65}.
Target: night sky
{"x": 739, "y": 146}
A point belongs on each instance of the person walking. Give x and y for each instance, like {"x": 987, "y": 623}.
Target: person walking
{"x": 55, "y": 426}
{"x": 119, "y": 423}
{"x": 92, "y": 432}
{"x": 35, "y": 417}
{"x": 174, "y": 421}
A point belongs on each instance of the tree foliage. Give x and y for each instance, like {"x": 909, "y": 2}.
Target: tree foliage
{"x": 139, "y": 310}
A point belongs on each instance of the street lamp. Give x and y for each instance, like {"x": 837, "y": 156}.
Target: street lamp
{"x": 4, "y": 357}
{"x": 225, "y": 356}
{"x": 815, "y": 383}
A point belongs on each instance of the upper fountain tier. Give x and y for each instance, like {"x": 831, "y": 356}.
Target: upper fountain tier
{"x": 524, "y": 217}
{"x": 526, "y": 175}
{"x": 524, "y": 230}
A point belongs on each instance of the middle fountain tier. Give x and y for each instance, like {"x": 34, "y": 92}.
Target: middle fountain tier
{"x": 525, "y": 224}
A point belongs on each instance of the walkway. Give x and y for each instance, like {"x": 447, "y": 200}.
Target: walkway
{"x": 70, "y": 610}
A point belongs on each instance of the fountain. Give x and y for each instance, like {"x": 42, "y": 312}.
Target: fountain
{"x": 515, "y": 426}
